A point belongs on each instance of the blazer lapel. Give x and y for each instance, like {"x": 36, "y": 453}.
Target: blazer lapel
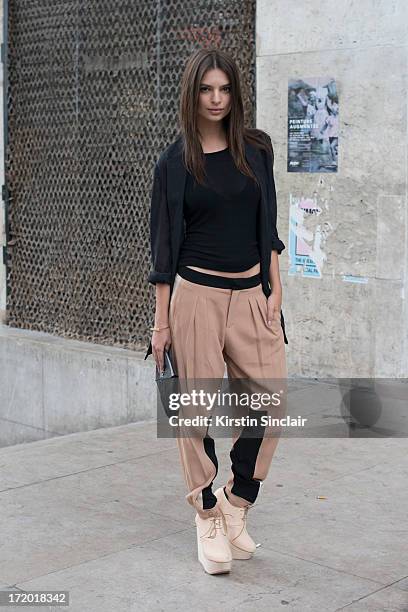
{"x": 255, "y": 160}
{"x": 176, "y": 180}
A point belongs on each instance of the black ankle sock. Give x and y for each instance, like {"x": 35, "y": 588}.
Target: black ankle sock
{"x": 225, "y": 493}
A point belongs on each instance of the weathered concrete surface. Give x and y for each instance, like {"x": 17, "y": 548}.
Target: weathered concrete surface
{"x": 103, "y": 515}
{"x": 51, "y": 386}
{"x": 336, "y": 327}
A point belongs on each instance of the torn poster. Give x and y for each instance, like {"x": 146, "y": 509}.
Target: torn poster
{"x": 307, "y": 237}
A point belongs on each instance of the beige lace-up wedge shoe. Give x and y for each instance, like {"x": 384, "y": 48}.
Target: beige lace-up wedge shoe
{"x": 241, "y": 544}
{"x": 214, "y": 552}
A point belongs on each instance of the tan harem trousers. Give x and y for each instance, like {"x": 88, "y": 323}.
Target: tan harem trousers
{"x": 213, "y": 328}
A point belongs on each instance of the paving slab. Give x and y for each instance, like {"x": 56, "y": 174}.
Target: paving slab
{"x": 164, "y": 575}
{"x": 102, "y": 513}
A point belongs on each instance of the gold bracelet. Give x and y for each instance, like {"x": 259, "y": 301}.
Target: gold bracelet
{"x": 159, "y": 328}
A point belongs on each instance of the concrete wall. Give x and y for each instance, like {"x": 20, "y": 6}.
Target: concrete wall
{"x": 335, "y": 327}
{"x": 50, "y": 386}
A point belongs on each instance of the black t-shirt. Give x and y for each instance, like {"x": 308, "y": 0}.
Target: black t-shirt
{"x": 221, "y": 218}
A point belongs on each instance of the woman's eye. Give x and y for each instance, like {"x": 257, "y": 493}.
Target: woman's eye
{"x": 227, "y": 89}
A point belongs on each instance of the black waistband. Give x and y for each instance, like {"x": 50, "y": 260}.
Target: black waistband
{"x": 224, "y": 282}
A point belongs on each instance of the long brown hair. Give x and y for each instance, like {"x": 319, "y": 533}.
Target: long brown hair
{"x": 197, "y": 65}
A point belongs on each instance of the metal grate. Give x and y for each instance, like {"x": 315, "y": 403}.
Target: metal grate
{"x": 92, "y": 100}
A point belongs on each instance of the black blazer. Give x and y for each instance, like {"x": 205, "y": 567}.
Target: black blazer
{"x": 167, "y": 219}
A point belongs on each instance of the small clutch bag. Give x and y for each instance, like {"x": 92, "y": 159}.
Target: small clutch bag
{"x": 169, "y": 369}
{"x": 167, "y": 384}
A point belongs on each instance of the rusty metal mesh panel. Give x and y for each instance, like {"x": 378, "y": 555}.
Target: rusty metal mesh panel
{"x": 93, "y": 99}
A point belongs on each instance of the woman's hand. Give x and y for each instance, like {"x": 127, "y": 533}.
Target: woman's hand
{"x": 160, "y": 340}
{"x": 274, "y": 306}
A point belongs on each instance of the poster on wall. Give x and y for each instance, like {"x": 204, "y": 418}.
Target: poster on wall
{"x": 309, "y": 230}
{"x": 313, "y": 125}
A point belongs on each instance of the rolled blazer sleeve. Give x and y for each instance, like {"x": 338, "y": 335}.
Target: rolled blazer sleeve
{"x": 160, "y": 243}
{"x": 276, "y": 243}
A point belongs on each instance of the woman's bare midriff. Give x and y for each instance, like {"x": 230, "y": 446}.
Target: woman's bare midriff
{"x": 250, "y": 272}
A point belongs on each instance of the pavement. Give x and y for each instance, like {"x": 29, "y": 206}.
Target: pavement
{"x": 102, "y": 514}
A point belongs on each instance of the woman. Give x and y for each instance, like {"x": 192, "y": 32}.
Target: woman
{"x": 218, "y": 291}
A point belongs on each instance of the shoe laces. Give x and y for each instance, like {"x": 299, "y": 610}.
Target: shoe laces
{"x": 217, "y": 523}
{"x": 244, "y": 516}
{"x": 244, "y": 513}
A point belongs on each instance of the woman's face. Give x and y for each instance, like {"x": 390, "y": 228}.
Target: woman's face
{"x": 214, "y": 94}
